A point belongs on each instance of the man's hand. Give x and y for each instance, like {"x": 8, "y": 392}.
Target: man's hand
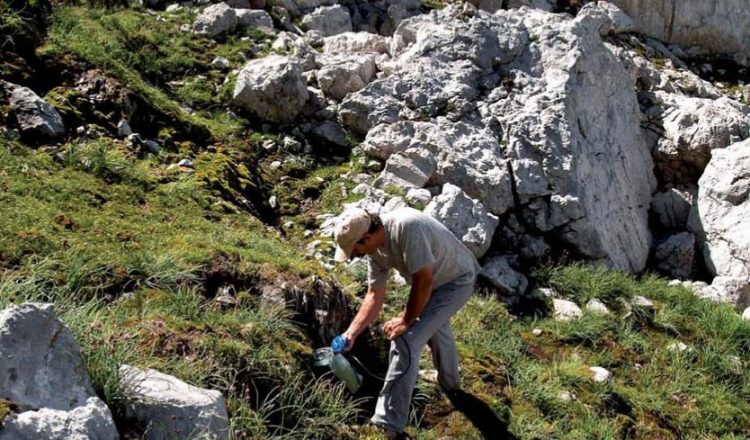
{"x": 394, "y": 328}
{"x": 349, "y": 341}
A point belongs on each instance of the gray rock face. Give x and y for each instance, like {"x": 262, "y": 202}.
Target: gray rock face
{"x": 465, "y": 217}
{"x": 688, "y": 129}
{"x": 718, "y": 27}
{"x": 171, "y": 408}
{"x": 355, "y": 42}
{"x": 520, "y": 100}
{"x": 254, "y": 18}
{"x": 328, "y": 20}
{"x": 215, "y": 19}
{"x": 43, "y": 373}
{"x": 721, "y": 213}
{"x": 509, "y": 281}
{"x": 672, "y": 208}
{"x": 411, "y": 168}
{"x": 271, "y": 88}
{"x": 344, "y": 74}
{"x": 609, "y": 18}
{"x": 675, "y": 256}
{"x": 34, "y": 115}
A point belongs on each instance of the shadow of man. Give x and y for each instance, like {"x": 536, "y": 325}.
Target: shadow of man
{"x": 480, "y": 415}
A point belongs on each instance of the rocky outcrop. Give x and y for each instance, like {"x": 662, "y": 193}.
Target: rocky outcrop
{"x": 510, "y": 283}
{"x": 717, "y": 27}
{"x": 524, "y": 111}
{"x": 328, "y": 20}
{"x": 684, "y": 130}
{"x": 465, "y": 217}
{"x": 221, "y": 18}
{"x": 35, "y": 117}
{"x": 271, "y": 88}
{"x": 721, "y": 213}
{"x": 340, "y": 75}
{"x": 43, "y": 375}
{"x": 170, "y": 408}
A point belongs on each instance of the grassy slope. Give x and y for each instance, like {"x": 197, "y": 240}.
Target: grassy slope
{"x": 121, "y": 245}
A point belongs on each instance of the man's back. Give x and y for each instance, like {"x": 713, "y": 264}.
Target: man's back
{"x": 414, "y": 240}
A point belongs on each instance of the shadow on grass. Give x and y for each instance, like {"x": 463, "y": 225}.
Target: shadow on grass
{"x": 480, "y": 415}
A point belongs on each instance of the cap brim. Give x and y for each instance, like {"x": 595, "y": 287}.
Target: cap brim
{"x": 341, "y": 255}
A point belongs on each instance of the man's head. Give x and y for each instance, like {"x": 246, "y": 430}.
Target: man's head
{"x": 356, "y": 234}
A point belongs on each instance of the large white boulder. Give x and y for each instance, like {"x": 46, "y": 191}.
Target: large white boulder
{"x": 558, "y": 131}
{"x": 328, "y": 20}
{"x": 465, "y": 217}
{"x": 342, "y": 74}
{"x": 43, "y": 374}
{"x": 215, "y": 19}
{"x": 689, "y": 129}
{"x": 721, "y": 213}
{"x": 171, "y": 408}
{"x": 34, "y": 115}
{"x": 253, "y": 18}
{"x": 271, "y": 88}
{"x": 719, "y": 27}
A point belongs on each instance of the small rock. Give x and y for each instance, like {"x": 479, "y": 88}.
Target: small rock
{"x": 567, "y": 396}
{"x": 374, "y": 165}
{"x": 272, "y": 202}
{"x": 677, "y": 346}
{"x": 174, "y": 7}
{"x": 269, "y": 145}
{"x": 565, "y": 310}
{"x": 537, "y": 332}
{"x": 187, "y": 163}
{"x": 637, "y": 366}
{"x": 639, "y": 301}
{"x": 275, "y": 165}
{"x": 597, "y": 306}
{"x": 291, "y": 144}
{"x": 675, "y": 283}
{"x": 429, "y": 375}
{"x": 418, "y": 196}
{"x": 220, "y": 63}
{"x": 600, "y": 374}
{"x": 746, "y": 314}
{"x": 123, "y": 128}
{"x": 361, "y": 188}
{"x": 542, "y": 293}
{"x": 308, "y": 233}
{"x": 152, "y": 146}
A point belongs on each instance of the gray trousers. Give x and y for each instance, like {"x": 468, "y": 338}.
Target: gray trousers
{"x": 433, "y": 328}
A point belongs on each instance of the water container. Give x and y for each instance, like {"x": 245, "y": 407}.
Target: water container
{"x": 344, "y": 371}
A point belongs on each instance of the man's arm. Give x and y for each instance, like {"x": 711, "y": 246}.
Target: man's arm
{"x": 421, "y": 290}
{"x": 368, "y": 311}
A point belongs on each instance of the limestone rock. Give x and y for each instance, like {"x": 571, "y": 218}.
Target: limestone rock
{"x": 465, "y": 217}
{"x": 691, "y": 128}
{"x": 564, "y": 310}
{"x": 418, "y": 196}
{"x": 344, "y": 74}
{"x": 89, "y": 421}
{"x": 746, "y": 314}
{"x": 721, "y": 213}
{"x": 599, "y": 374}
{"x": 328, "y": 20}
{"x": 606, "y": 17}
{"x": 597, "y": 306}
{"x": 672, "y": 208}
{"x": 169, "y": 407}
{"x": 349, "y": 42}
{"x": 298, "y": 49}
{"x": 674, "y": 257}
{"x": 726, "y": 289}
{"x": 411, "y": 168}
{"x": 253, "y": 18}
{"x": 509, "y": 281}
{"x": 717, "y": 27}
{"x": 34, "y": 115}
{"x": 443, "y": 96}
{"x": 43, "y": 373}
{"x": 271, "y": 88}
{"x": 215, "y": 19}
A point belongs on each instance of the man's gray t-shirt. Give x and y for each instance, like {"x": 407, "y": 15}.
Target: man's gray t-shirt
{"x": 414, "y": 240}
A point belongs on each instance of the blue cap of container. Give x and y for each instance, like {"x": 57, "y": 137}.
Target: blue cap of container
{"x": 338, "y": 344}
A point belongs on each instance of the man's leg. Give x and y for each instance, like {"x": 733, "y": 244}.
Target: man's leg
{"x": 392, "y": 408}
{"x": 445, "y": 358}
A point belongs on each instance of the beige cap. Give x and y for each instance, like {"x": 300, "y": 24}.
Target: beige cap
{"x": 350, "y": 228}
